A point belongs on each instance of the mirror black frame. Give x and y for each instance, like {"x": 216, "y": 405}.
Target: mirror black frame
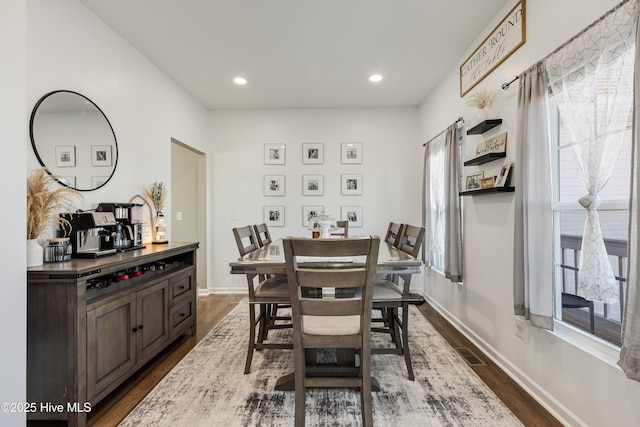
{"x": 35, "y": 150}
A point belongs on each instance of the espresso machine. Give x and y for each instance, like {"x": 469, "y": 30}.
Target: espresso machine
{"x": 91, "y": 234}
{"x": 128, "y": 226}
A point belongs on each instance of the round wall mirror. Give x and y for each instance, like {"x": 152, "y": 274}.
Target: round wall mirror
{"x": 74, "y": 140}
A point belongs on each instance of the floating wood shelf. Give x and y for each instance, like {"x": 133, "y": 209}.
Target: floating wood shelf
{"x": 489, "y": 157}
{"x": 484, "y": 126}
{"x": 488, "y": 191}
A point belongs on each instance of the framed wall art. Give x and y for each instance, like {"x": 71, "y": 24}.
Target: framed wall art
{"x": 274, "y": 185}
{"x": 100, "y": 155}
{"x": 66, "y": 156}
{"x": 274, "y": 216}
{"x": 351, "y": 152}
{"x": 503, "y": 176}
{"x": 98, "y": 181}
{"x": 351, "y": 184}
{"x": 474, "y": 181}
{"x": 312, "y": 185}
{"x": 313, "y": 153}
{"x": 353, "y": 214}
{"x": 274, "y": 154}
{"x": 309, "y": 212}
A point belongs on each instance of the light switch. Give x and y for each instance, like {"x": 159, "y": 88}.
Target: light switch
{"x": 178, "y": 216}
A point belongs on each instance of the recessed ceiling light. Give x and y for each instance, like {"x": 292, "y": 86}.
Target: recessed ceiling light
{"x": 375, "y": 78}
{"x": 240, "y": 81}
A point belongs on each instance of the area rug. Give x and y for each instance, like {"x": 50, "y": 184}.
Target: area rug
{"x": 208, "y": 387}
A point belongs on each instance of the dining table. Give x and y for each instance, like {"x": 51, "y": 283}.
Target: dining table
{"x": 269, "y": 260}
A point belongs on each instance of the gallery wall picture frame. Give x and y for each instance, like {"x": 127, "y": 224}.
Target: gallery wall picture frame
{"x": 98, "y": 181}
{"x": 69, "y": 181}
{"x": 100, "y": 155}
{"x": 275, "y": 154}
{"x": 351, "y": 184}
{"x": 351, "y": 152}
{"x": 66, "y": 156}
{"x": 503, "y": 175}
{"x": 312, "y": 185}
{"x": 474, "y": 181}
{"x": 353, "y": 214}
{"x": 309, "y": 212}
{"x": 313, "y": 153}
{"x": 274, "y": 215}
{"x": 274, "y": 185}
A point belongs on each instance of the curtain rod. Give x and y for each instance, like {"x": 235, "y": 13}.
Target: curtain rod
{"x": 458, "y": 120}
{"x": 505, "y": 86}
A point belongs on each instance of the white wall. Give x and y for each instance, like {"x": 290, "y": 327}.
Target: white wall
{"x": 391, "y": 169}
{"x": 578, "y": 387}
{"x": 50, "y": 45}
{"x": 13, "y": 125}
{"x": 69, "y": 48}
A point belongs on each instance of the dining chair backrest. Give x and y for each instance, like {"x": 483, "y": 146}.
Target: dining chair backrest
{"x": 343, "y": 229}
{"x": 411, "y": 240}
{"x": 245, "y": 239}
{"x": 325, "y": 321}
{"x": 393, "y": 233}
{"x": 262, "y": 234}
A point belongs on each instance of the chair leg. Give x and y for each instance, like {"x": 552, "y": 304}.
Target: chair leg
{"x": 405, "y": 340}
{"x": 252, "y": 337}
{"x": 262, "y": 322}
{"x": 365, "y": 392}
{"x": 394, "y": 327}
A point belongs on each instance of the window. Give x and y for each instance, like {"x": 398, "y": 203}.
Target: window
{"x": 569, "y": 223}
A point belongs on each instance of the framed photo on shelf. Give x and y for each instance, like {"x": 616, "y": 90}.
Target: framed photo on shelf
{"x": 100, "y": 155}
{"x": 351, "y": 184}
{"x": 309, "y": 212}
{"x": 274, "y": 185}
{"x": 313, "y": 153}
{"x": 351, "y": 152}
{"x": 274, "y": 154}
{"x": 274, "y": 216}
{"x": 353, "y": 214}
{"x": 312, "y": 185}
{"x": 474, "y": 181}
{"x": 503, "y": 176}
{"x": 66, "y": 156}
{"x": 489, "y": 182}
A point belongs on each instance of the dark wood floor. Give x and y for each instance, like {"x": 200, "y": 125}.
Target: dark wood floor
{"x": 212, "y": 309}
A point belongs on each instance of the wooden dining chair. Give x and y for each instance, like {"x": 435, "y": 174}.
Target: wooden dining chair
{"x": 410, "y": 239}
{"x": 266, "y": 293}
{"x": 343, "y": 229}
{"x": 328, "y": 321}
{"x": 262, "y": 234}
{"x": 391, "y": 295}
{"x": 393, "y": 232}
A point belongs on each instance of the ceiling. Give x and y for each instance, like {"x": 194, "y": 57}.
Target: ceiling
{"x": 301, "y": 53}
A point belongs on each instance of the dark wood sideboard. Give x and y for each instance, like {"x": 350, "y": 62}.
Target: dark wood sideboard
{"x": 91, "y": 323}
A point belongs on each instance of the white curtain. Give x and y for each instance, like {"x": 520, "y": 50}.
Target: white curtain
{"x": 453, "y": 262}
{"x": 533, "y": 220}
{"x": 587, "y": 76}
{"x": 442, "y": 215}
{"x": 630, "y": 352}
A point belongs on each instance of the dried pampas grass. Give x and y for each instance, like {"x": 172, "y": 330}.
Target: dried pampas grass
{"x": 46, "y": 198}
{"x": 157, "y": 193}
{"x": 481, "y": 99}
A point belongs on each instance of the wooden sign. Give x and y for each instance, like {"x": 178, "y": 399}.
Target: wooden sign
{"x": 505, "y": 39}
{"x": 493, "y": 145}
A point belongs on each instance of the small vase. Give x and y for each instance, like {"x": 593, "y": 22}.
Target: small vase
{"x": 485, "y": 113}
{"x": 35, "y": 253}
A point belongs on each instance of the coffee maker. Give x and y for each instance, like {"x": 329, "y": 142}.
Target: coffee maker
{"x": 128, "y": 226}
{"x": 91, "y": 234}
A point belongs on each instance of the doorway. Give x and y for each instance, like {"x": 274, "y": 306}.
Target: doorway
{"x": 189, "y": 202}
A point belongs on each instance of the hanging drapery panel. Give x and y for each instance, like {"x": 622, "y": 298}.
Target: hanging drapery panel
{"x": 453, "y": 259}
{"x": 533, "y": 236}
{"x": 591, "y": 80}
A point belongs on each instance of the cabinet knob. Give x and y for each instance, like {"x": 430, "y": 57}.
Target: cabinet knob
{"x": 134, "y": 330}
{"x": 140, "y": 327}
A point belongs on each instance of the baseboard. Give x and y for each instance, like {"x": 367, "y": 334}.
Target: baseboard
{"x": 211, "y": 291}
{"x": 555, "y": 408}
